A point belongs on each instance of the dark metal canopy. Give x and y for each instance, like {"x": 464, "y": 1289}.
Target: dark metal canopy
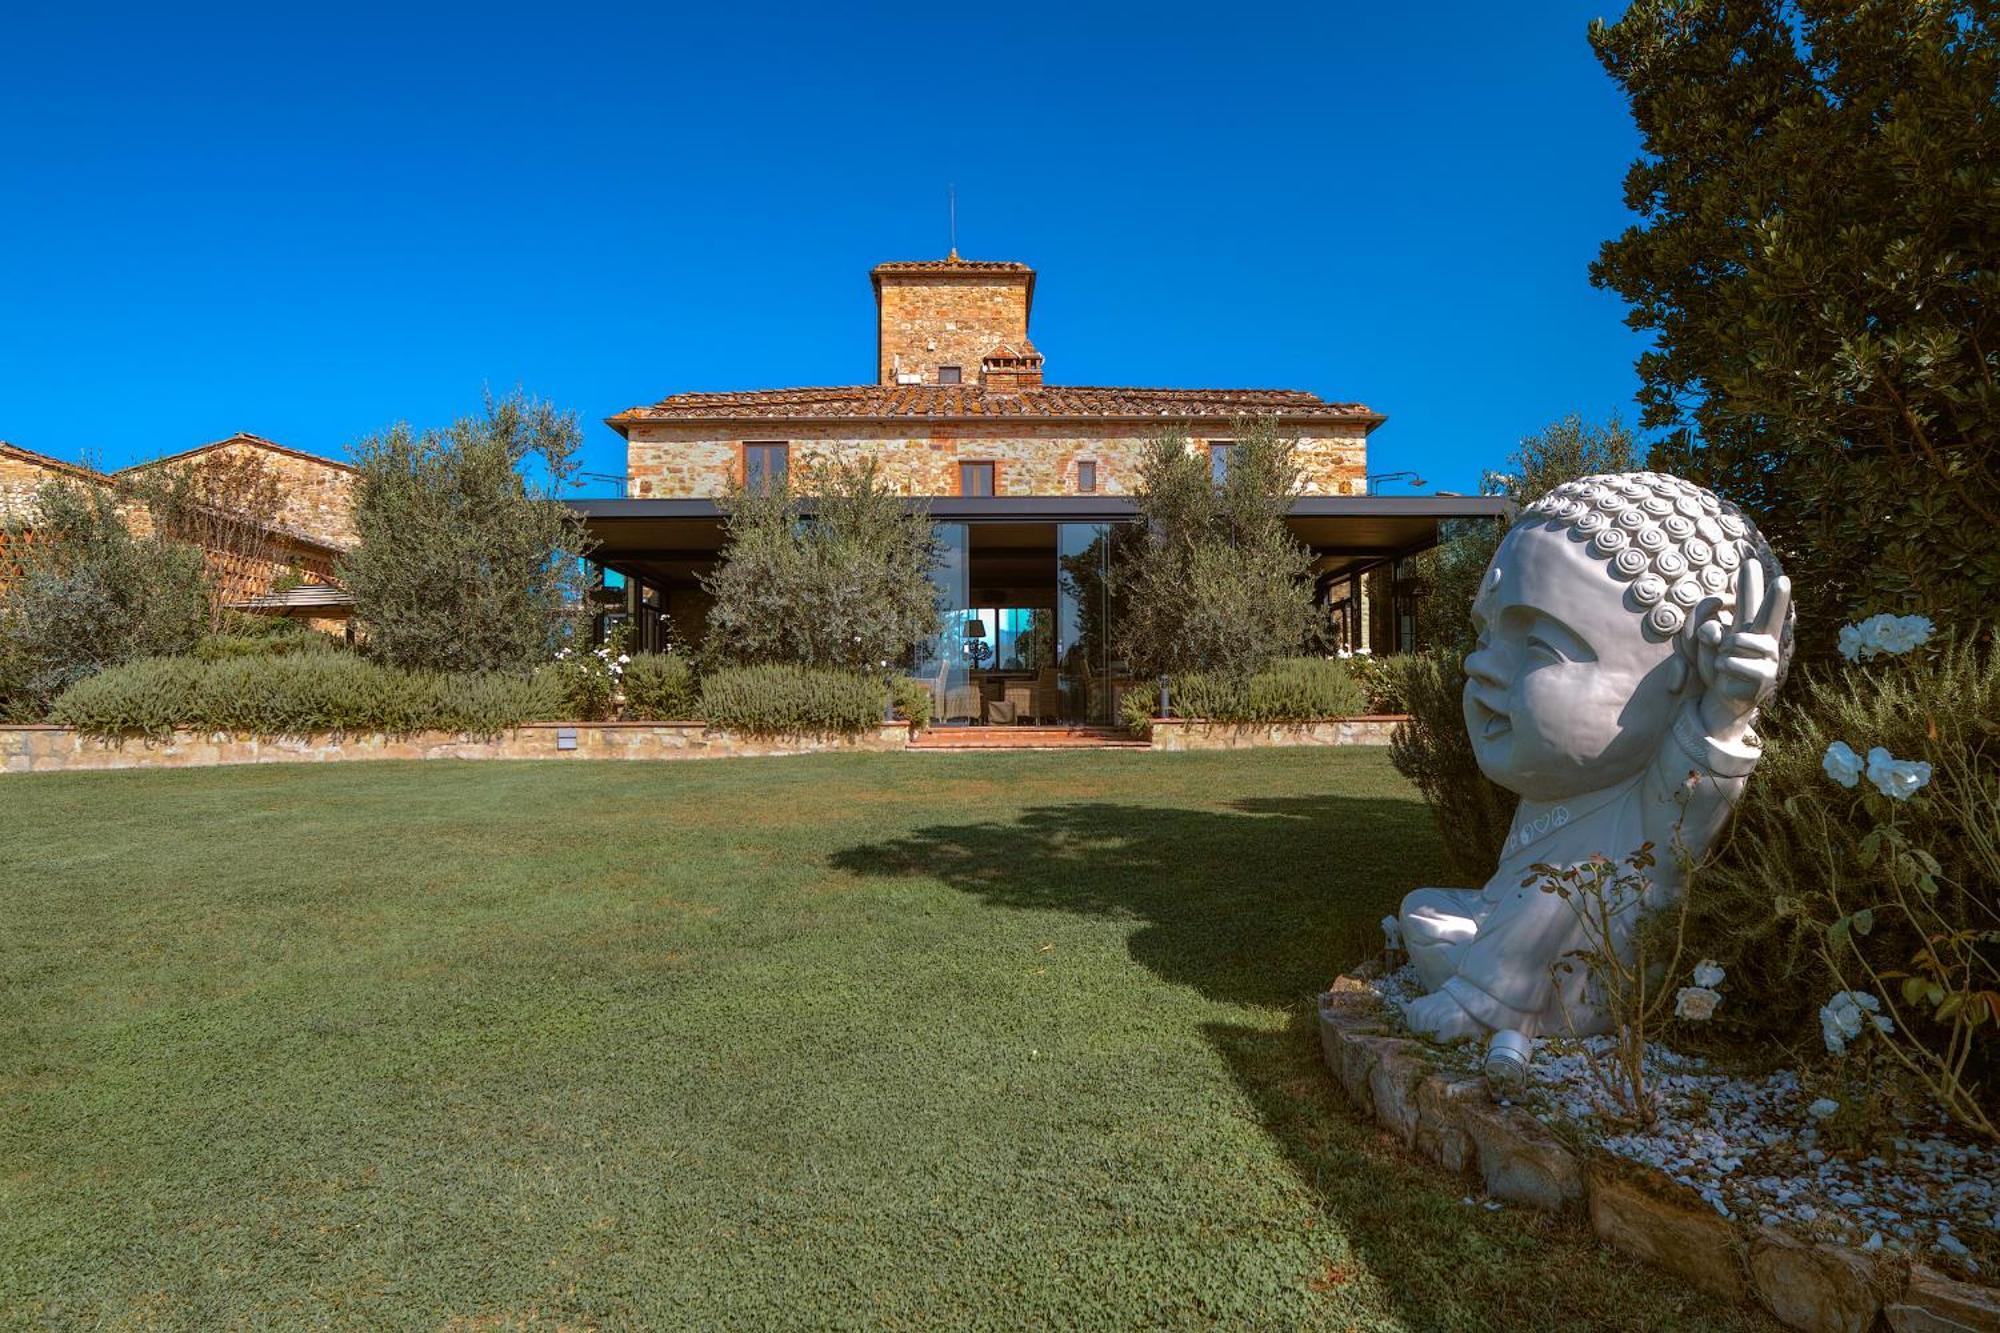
{"x": 670, "y": 540}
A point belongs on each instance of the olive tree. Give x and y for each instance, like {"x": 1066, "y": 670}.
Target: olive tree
{"x": 835, "y": 572}
{"x": 465, "y": 563}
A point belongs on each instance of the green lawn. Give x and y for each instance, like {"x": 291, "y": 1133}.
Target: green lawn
{"x": 889, "y": 1041}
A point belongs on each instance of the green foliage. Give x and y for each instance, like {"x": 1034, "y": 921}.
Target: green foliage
{"x": 1450, "y": 572}
{"x": 589, "y": 678}
{"x": 913, "y": 699}
{"x": 1210, "y": 579}
{"x": 1816, "y": 263}
{"x": 245, "y": 635}
{"x": 1295, "y": 689}
{"x": 1135, "y": 710}
{"x": 1432, "y": 750}
{"x": 779, "y": 699}
{"x": 1805, "y": 854}
{"x": 661, "y": 687}
{"x": 297, "y": 695}
{"x": 835, "y": 575}
{"x": 463, "y": 564}
{"x": 1381, "y": 681}
{"x": 90, "y": 595}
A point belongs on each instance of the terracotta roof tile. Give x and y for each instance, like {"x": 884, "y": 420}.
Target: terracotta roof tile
{"x": 951, "y": 264}
{"x": 972, "y": 401}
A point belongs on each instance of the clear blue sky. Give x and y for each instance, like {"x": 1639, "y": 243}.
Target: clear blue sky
{"x": 312, "y": 226}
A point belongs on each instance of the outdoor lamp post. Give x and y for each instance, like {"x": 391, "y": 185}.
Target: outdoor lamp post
{"x": 1166, "y": 695}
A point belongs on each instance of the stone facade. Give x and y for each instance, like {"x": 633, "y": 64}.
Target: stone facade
{"x": 1176, "y": 733}
{"x": 698, "y": 459}
{"x": 920, "y": 425}
{"x": 316, "y": 494}
{"x": 40, "y": 749}
{"x": 23, "y": 472}
{"x": 949, "y": 313}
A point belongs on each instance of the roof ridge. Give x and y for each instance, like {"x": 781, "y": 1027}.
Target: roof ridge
{"x": 245, "y": 437}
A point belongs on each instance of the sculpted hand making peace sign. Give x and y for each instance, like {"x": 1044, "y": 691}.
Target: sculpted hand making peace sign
{"x": 1738, "y": 658}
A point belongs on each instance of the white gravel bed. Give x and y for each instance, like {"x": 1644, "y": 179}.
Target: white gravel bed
{"x": 1755, "y": 1148}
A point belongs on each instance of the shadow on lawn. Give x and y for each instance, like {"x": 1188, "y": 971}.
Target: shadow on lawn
{"x": 1261, "y": 902}
{"x": 1258, "y": 902}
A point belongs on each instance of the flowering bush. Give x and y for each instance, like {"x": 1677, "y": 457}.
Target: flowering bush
{"x": 1859, "y": 890}
{"x": 589, "y": 678}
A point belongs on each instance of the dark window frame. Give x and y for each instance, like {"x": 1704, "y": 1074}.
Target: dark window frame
{"x": 957, "y": 374}
{"x": 978, "y": 468}
{"x": 763, "y": 451}
{"x": 1086, "y": 476}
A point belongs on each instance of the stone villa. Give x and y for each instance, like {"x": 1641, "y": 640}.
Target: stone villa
{"x": 1024, "y": 478}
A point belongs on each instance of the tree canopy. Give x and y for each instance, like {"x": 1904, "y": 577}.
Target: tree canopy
{"x": 465, "y": 564}
{"x": 1211, "y": 579}
{"x": 834, "y": 573}
{"x": 1816, "y": 260}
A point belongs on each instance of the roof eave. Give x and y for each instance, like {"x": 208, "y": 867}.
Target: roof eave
{"x": 624, "y": 421}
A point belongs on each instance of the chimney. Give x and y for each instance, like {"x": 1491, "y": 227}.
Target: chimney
{"x": 1011, "y": 367}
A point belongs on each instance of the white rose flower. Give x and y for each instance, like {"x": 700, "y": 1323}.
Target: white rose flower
{"x": 1841, "y": 1018}
{"x": 1842, "y": 764}
{"x": 1695, "y": 1003}
{"x": 1884, "y": 635}
{"x": 1898, "y": 779}
{"x": 1708, "y": 973}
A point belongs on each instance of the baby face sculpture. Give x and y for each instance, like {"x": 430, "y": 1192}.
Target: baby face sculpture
{"x": 1629, "y": 627}
{"x": 1563, "y": 694}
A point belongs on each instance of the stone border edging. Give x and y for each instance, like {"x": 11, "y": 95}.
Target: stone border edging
{"x": 48, "y": 749}
{"x": 1183, "y": 733}
{"x": 1448, "y": 1117}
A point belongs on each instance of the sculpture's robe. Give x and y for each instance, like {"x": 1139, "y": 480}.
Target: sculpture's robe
{"x": 1492, "y": 949}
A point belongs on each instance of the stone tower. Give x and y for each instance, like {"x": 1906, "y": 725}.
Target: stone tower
{"x": 937, "y": 320}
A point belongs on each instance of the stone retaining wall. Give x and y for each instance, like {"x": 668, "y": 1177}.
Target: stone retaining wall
{"x": 1179, "y": 733}
{"x": 1448, "y": 1117}
{"x": 37, "y": 749}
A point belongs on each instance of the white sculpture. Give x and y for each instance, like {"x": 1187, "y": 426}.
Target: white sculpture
{"x": 1629, "y": 627}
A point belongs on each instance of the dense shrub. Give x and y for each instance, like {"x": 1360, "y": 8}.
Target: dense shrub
{"x": 1381, "y": 680}
{"x": 1294, "y": 689}
{"x": 1434, "y": 751}
{"x": 913, "y": 700}
{"x": 294, "y": 695}
{"x": 661, "y": 687}
{"x": 244, "y": 635}
{"x": 88, "y": 594}
{"x": 1794, "y": 862}
{"x": 791, "y": 700}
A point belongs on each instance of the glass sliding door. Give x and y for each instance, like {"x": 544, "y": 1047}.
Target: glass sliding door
{"x": 1084, "y": 621}
{"x": 944, "y": 661}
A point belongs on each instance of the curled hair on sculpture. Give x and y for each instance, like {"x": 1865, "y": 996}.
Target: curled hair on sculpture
{"x": 1675, "y": 546}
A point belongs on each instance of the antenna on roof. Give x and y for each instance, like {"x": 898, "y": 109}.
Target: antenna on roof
{"x": 951, "y": 197}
